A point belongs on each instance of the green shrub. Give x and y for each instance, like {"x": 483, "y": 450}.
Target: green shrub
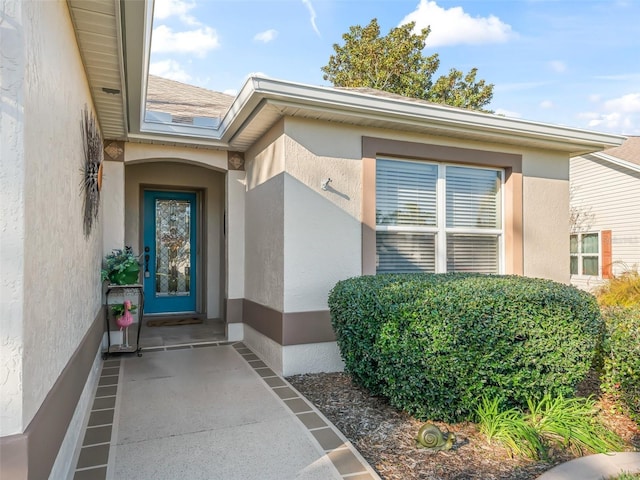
{"x": 433, "y": 344}
{"x": 621, "y": 352}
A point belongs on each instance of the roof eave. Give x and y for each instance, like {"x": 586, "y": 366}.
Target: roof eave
{"x": 258, "y": 90}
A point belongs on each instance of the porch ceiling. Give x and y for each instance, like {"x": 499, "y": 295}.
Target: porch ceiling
{"x": 97, "y": 28}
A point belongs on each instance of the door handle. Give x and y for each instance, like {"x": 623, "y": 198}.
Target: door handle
{"x": 146, "y": 263}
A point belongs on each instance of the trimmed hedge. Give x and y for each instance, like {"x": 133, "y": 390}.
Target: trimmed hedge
{"x": 621, "y": 352}
{"x": 434, "y": 344}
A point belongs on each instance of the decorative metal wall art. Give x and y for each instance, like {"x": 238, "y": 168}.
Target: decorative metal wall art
{"x": 91, "y": 169}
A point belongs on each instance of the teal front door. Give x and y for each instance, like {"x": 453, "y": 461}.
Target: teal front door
{"x": 169, "y": 252}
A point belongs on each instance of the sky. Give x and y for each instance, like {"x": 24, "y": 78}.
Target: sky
{"x": 565, "y": 62}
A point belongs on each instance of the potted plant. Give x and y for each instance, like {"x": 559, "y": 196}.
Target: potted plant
{"x": 121, "y": 267}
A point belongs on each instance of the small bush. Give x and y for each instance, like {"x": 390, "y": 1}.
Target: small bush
{"x": 621, "y": 291}
{"x": 621, "y": 357}
{"x": 550, "y": 424}
{"x": 433, "y": 344}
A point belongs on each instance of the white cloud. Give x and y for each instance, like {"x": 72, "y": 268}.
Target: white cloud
{"x": 507, "y": 113}
{"x": 627, "y": 103}
{"x": 197, "y": 42}
{"x": 164, "y": 9}
{"x": 312, "y": 14}
{"x": 617, "y": 115}
{"x": 266, "y": 36}
{"x": 632, "y": 77}
{"x": 546, "y": 104}
{"x": 558, "y": 66}
{"x": 169, "y": 69}
{"x": 454, "y": 26}
{"x": 594, "y": 97}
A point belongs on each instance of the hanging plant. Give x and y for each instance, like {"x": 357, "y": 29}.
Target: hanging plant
{"x": 91, "y": 169}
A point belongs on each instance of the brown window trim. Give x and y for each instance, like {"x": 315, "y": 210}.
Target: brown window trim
{"x": 372, "y": 148}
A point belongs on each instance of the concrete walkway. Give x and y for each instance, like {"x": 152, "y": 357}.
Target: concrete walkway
{"x": 209, "y": 411}
{"x": 595, "y": 467}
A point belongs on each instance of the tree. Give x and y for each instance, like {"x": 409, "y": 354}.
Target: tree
{"x": 395, "y": 63}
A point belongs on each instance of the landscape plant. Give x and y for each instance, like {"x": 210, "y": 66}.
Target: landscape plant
{"x": 621, "y": 291}
{"x": 621, "y": 358}
{"x": 435, "y": 343}
{"x": 550, "y": 424}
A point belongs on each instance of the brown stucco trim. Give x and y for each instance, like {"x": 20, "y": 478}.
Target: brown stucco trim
{"x": 307, "y": 327}
{"x": 265, "y": 320}
{"x": 31, "y": 455}
{"x": 372, "y": 148}
{"x": 234, "y": 310}
{"x": 292, "y": 328}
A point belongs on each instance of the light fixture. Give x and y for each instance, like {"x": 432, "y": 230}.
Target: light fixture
{"x": 325, "y": 183}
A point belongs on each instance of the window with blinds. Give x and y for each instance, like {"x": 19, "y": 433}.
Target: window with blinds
{"x": 435, "y": 218}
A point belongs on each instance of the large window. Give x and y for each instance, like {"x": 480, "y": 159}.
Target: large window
{"x": 437, "y": 218}
{"x": 585, "y": 254}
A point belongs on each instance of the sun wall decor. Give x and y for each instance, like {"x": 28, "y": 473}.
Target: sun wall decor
{"x": 91, "y": 169}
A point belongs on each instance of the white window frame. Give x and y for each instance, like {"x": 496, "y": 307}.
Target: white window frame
{"x": 441, "y": 230}
{"x": 580, "y": 255}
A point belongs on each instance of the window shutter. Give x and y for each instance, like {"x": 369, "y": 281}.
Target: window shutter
{"x": 607, "y": 267}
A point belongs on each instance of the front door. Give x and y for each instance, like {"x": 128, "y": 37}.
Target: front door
{"x": 169, "y": 252}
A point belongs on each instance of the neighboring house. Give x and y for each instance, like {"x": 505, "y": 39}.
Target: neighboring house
{"x": 605, "y": 213}
{"x": 275, "y": 194}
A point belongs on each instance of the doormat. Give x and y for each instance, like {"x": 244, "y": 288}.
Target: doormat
{"x": 170, "y": 322}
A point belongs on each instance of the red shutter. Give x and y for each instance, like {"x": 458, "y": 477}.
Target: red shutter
{"x": 605, "y": 239}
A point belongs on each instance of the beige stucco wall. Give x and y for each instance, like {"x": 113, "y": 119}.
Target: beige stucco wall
{"x": 545, "y": 193}
{"x": 264, "y": 221}
{"x": 322, "y": 241}
{"x": 172, "y": 175}
{"x": 322, "y": 231}
{"x": 56, "y": 269}
{"x": 235, "y": 238}
{"x": 12, "y": 224}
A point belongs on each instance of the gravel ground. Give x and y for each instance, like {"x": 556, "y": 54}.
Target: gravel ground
{"x": 386, "y": 437}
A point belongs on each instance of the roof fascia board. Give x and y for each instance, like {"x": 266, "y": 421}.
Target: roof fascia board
{"x": 443, "y": 115}
{"x": 193, "y": 141}
{"x": 617, "y": 161}
{"x": 137, "y": 19}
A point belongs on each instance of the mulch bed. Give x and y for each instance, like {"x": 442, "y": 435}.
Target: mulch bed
{"x": 386, "y": 436}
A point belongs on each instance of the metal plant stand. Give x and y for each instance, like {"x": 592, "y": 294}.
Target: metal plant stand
{"x": 117, "y": 294}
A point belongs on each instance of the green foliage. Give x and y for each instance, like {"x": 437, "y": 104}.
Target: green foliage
{"x": 395, "y": 63}
{"x": 117, "y": 309}
{"x": 621, "y": 357}
{"x": 571, "y": 423}
{"x": 621, "y": 291}
{"x": 509, "y": 428}
{"x": 551, "y": 423}
{"x": 625, "y": 476}
{"x": 121, "y": 266}
{"x": 434, "y": 343}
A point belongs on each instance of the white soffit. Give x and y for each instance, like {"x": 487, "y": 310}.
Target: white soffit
{"x": 97, "y": 28}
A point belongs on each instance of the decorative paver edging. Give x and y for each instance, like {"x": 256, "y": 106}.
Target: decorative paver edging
{"x": 99, "y": 433}
{"x": 346, "y": 459}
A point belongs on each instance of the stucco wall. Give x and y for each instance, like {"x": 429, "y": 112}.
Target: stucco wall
{"x": 171, "y": 175}
{"x": 61, "y": 267}
{"x": 318, "y": 150}
{"x": 12, "y": 177}
{"x": 545, "y": 193}
{"x": 264, "y": 221}
{"x": 322, "y": 231}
